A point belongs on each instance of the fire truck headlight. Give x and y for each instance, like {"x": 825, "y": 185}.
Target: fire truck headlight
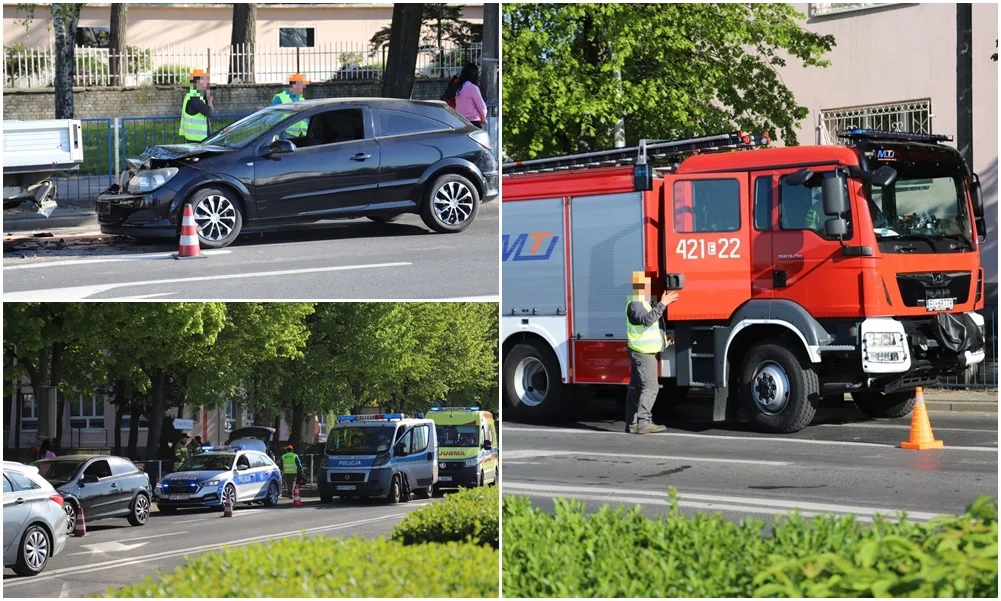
{"x": 884, "y": 347}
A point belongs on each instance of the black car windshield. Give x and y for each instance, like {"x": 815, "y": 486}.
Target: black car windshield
{"x": 58, "y": 471}
{"x": 248, "y": 129}
{"x": 457, "y": 436}
{"x": 359, "y": 440}
{"x": 927, "y": 202}
{"x": 199, "y": 463}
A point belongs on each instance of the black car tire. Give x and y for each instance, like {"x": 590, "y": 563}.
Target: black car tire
{"x": 226, "y": 206}
{"x": 385, "y": 218}
{"x": 40, "y": 537}
{"x": 443, "y": 187}
{"x": 70, "y": 510}
{"x": 139, "y": 513}
{"x": 878, "y": 404}
{"x": 272, "y": 498}
{"x": 768, "y": 362}
{"x": 535, "y": 356}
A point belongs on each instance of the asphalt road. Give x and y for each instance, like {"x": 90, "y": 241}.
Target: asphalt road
{"x": 842, "y": 464}
{"x": 348, "y": 259}
{"x": 113, "y": 554}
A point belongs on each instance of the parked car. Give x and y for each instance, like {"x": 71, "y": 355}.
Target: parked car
{"x": 253, "y": 438}
{"x": 34, "y": 523}
{"x": 104, "y": 486}
{"x": 375, "y": 158}
{"x": 207, "y": 479}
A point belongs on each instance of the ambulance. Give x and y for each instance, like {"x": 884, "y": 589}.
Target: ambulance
{"x": 469, "y": 455}
{"x": 379, "y": 456}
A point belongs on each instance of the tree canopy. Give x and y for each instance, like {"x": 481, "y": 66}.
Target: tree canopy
{"x": 574, "y": 74}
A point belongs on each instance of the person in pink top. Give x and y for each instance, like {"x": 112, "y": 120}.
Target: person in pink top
{"x": 468, "y": 100}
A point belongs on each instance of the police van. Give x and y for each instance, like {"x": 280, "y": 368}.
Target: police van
{"x": 469, "y": 454}
{"x": 379, "y": 456}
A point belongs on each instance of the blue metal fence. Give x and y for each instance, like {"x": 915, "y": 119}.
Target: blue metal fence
{"x": 139, "y": 133}
{"x": 98, "y": 169}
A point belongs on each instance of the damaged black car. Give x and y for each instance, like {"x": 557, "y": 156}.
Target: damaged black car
{"x": 309, "y": 161}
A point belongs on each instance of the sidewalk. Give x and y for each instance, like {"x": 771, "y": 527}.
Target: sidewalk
{"x": 68, "y": 214}
{"x": 973, "y": 400}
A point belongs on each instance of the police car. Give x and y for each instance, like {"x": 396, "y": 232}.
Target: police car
{"x": 377, "y": 455}
{"x": 206, "y": 479}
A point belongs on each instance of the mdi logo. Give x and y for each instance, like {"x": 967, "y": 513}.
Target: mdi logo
{"x": 526, "y": 247}
{"x": 886, "y": 155}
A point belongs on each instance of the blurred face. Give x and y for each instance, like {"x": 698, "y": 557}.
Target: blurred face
{"x": 201, "y": 83}
{"x": 641, "y": 290}
{"x": 297, "y": 87}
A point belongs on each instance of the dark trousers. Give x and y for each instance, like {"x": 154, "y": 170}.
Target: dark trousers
{"x": 643, "y": 388}
{"x": 289, "y": 482}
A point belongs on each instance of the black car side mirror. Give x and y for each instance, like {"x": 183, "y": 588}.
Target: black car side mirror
{"x": 279, "y": 147}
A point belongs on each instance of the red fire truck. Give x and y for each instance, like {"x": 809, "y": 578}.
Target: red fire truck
{"x": 803, "y": 272}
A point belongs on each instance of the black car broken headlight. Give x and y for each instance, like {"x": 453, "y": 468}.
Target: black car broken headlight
{"x": 147, "y": 181}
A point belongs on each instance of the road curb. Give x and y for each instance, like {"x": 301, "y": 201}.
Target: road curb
{"x": 962, "y": 406}
{"x": 29, "y": 221}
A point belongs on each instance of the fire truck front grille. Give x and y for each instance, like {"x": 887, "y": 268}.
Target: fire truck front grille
{"x": 916, "y": 288}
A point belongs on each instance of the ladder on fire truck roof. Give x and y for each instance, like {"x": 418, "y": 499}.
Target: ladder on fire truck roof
{"x": 647, "y": 150}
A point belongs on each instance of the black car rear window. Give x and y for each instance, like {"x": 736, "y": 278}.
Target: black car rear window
{"x": 396, "y": 123}
{"x": 121, "y": 466}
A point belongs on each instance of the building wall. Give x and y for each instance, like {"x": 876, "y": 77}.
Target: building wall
{"x": 165, "y": 25}
{"x": 150, "y": 101}
{"x": 908, "y": 52}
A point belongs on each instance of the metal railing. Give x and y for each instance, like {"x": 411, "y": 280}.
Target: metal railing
{"x": 914, "y": 116}
{"x": 172, "y": 65}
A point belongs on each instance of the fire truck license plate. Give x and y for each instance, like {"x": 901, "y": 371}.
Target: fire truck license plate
{"x": 346, "y": 487}
{"x": 938, "y": 304}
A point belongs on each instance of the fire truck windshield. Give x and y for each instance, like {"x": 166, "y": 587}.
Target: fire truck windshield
{"x": 924, "y": 210}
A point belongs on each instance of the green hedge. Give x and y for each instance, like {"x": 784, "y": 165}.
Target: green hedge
{"x": 468, "y": 515}
{"x": 329, "y": 567}
{"x": 623, "y": 553}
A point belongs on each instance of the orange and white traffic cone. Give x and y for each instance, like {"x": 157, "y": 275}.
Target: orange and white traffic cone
{"x": 81, "y": 527}
{"x": 189, "y": 247}
{"x": 296, "y": 500}
{"x": 227, "y": 507}
{"x": 921, "y": 435}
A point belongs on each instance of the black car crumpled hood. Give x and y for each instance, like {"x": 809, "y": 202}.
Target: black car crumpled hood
{"x": 168, "y": 152}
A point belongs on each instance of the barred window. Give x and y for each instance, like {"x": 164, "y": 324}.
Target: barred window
{"x": 910, "y": 117}
{"x": 820, "y": 9}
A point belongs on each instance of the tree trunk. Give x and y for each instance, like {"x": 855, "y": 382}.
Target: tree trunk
{"x": 134, "y": 418}
{"x": 491, "y": 52}
{"x": 55, "y": 374}
{"x": 19, "y": 400}
{"x": 156, "y": 415}
{"x": 241, "y": 58}
{"x": 64, "y": 21}
{"x": 120, "y": 404}
{"x": 295, "y": 426}
{"x": 117, "y": 65}
{"x": 404, "y": 37}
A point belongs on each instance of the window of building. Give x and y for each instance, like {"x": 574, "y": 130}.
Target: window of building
{"x": 706, "y": 205}
{"x": 29, "y": 419}
{"x": 912, "y": 117}
{"x": 398, "y": 123}
{"x": 296, "y": 37}
{"x": 763, "y": 203}
{"x": 802, "y": 208}
{"x": 127, "y": 421}
{"x": 231, "y": 413}
{"x": 420, "y": 439}
{"x": 87, "y": 411}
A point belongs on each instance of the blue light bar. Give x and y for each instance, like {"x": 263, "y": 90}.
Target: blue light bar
{"x": 347, "y": 418}
{"x": 420, "y": 416}
{"x": 390, "y": 416}
{"x": 455, "y": 408}
{"x": 876, "y": 134}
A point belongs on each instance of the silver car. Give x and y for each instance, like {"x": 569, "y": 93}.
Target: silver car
{"x": 34, "y": 522}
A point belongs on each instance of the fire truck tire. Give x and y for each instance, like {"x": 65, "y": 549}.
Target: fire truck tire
{"x": 450, "y": 204}
{"x": 878, "y": 404}
{"x": 533, "y": 386}
{"x": 778, "y": 389}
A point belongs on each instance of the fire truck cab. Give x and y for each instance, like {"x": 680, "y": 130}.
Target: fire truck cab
{"x": 803, "y": 272}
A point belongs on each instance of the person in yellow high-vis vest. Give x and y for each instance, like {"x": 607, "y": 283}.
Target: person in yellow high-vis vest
{"x": 296, "y": 86}
{"x": 291, "y": 466}
{"x": 645, "y": 340}
{"x": 196, "y": 110}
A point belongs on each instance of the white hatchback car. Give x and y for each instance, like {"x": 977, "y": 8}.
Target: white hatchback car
{"x": 34, "y": 521}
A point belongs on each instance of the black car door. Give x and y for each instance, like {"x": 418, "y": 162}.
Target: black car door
{"x": 334, "y": 169}
{"x": 410, "y": 144}
{"x": 97, "y": 491}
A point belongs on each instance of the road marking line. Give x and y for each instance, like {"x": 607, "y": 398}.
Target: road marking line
{"x": 712, "y": 500}
{"x": 145, "y": 296}
{"x": 469, "y": 299}
{"x": 189, "y": 521}
{"x": 531, "y": 454}
{"x": 116, "y": 259}
{"x": 80, "y": 292}
{"x": 49, "y": 575}
{"x": 154, "y": 536}
{"x": 837, "y": 443}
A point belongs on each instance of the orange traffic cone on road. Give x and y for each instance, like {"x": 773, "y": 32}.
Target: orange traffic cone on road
{"x": 188, "y": 247}
{"x": 227, "y": 507}
{"x": 921, "y": 435}
{"x": 296, "y": 499}
{"x": 81, "y": 527}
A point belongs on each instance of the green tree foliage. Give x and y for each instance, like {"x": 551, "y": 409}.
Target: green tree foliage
{"x": 574, "y": 72}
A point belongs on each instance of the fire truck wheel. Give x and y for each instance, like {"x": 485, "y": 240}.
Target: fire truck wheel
{"x": 779, "y": 390}
{"x": 533, "y": 386}
{"x": 878, "y": 404}
{"x": 450, "y": 204}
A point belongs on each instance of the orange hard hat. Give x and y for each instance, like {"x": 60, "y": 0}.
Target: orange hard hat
{"x": 297, "y": 77}
{"x": 198, "y": 73}
{"x": 640, "y": 278}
